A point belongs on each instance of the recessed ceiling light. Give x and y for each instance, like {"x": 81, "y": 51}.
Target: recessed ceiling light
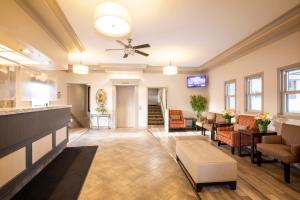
{"x": 112, "y": 20}
{"x": 27, "y": 51}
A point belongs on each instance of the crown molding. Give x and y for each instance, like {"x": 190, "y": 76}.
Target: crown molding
{"x": 137, "y": 68}
{"x": 49, "y": 16}
{"x": 282, "y": 26}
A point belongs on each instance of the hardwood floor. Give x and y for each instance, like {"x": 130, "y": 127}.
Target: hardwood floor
{"x": 254, "y": 182}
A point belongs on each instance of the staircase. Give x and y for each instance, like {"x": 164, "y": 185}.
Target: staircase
{"x": 155, "y": 115}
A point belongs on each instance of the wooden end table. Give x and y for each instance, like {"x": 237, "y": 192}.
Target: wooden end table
{"x": 252, "y": 134}
{"x": 216, "y": 126}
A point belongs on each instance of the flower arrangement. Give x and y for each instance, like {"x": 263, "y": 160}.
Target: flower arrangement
{"x": 227, "y": 115}
{"x": 263, "y": 120}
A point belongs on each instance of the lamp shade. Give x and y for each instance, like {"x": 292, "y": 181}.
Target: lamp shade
{"x": 170, "y": 70}
{"x": 112, "y": 19}
{"x": 80, "y": 69}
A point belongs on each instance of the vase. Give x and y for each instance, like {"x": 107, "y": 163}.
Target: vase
{"x": 262, "y": 128}
{"x": 228, "y": 120}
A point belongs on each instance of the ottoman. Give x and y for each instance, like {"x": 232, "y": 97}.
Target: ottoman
{"x": 205, "y": 164}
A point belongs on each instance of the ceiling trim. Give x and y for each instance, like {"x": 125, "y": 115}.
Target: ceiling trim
{"x": 280, "y": 27}
{"x": 140, "y": 68}
{"x": 27, "y": 6}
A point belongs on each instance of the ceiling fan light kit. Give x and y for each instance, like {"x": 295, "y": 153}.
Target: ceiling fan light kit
{"x": 131, "y": 50}
{"x": 112, "y": 20}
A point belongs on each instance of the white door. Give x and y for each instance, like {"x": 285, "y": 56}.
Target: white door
{"x": 125, "y": 107}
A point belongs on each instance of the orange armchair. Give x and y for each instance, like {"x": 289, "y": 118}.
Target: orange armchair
{"x": 230, "y": 135}
{"x": 176, "y": 119}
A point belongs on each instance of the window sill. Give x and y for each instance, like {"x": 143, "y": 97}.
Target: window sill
{"x": 289, "y": 116}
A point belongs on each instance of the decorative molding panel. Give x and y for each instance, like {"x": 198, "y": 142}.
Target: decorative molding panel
{"x": 280, "y": 27}
{"x": 11, "y": 165}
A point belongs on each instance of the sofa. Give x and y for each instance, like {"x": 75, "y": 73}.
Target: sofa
{"x": 176, "y": 120}
{"x": 230, "y": 135}
{"x": 284, "y": 147}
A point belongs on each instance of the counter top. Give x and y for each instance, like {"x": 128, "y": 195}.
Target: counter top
{"x": 12, "y": 111}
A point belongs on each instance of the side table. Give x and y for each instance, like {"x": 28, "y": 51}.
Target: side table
{"x": 252, "y": 134}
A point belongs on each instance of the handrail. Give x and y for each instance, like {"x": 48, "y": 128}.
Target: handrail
{"x": 162, "y": 106}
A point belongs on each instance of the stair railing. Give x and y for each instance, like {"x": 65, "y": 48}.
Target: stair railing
{"x": 164, "y": 108}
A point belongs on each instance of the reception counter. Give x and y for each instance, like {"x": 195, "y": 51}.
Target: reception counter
{"x": 30, "y": 138}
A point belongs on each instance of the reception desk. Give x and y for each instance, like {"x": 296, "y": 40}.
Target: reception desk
{"x": 30, "y": 138}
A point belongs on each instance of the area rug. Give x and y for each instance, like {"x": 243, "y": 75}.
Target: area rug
{"x": 63, "y": 178}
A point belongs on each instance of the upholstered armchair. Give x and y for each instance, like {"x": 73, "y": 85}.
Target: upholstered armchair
{"x": 208, "y": 123}
{"x": 284, "y": 147}
{"x": 230, "y": 135}
{"x": 176, "y": 120}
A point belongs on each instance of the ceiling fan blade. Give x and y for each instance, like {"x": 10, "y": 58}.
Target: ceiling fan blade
{"x": 121, "y": 43}
{"x": 112, "y": 49}
{"x": 140, "y": 52}
{"x": 125, "y": 55}
{"x": 141, "y": 46}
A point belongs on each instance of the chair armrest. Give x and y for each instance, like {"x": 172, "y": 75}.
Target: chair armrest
{"x": 228, "y": 128}
{"x": 295, "y": 149}
{"x": 272, "y": 139}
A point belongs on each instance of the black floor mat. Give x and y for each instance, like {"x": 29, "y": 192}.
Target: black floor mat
{"x": 62, "y": 178}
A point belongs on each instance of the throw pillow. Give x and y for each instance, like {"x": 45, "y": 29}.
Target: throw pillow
{"x": 237, "y": 127}
{"x": 175, "y": 117}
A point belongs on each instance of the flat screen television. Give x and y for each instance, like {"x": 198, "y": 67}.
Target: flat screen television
{"x": 196, "y": 81}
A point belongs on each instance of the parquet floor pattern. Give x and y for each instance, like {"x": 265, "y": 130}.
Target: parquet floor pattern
{"x": 140, "y": 165}
{"x": 131, "y": 164}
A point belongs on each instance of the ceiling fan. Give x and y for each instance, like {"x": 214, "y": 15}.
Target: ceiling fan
{"x": 129, "y": 49}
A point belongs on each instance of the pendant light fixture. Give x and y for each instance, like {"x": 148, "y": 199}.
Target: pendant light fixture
{"x": 112, "y": 19}
{"x": 170, "y": 69}
{"x": 80, "y": 68}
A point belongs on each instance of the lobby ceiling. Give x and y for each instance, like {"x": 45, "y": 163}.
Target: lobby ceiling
{"x": 186, "y": 32}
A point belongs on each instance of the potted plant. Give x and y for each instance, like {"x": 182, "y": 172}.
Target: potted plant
{"x": 263, "y": 120}
{"x": 227, "y": 115}
{"x": 198, "y": 103}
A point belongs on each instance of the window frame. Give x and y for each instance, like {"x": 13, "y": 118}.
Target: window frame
{"x": 282, "y": 91}
{"x": 247, "y": 92}
{"x": 226, "y": 95}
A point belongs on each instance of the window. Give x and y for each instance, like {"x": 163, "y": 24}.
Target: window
{"x": 290, "y": 91}
{"x": 254, "y": 93}
{"x": 230, "y": 95}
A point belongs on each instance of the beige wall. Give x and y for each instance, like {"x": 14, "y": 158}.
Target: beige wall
{"x": 267, "y": 59}
{"x": 178, "y": 93}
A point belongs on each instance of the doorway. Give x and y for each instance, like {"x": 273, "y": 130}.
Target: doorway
{"x": 78, "y": 97}
{"x": 157, "y": 107}
{"x": 126, "y": 106}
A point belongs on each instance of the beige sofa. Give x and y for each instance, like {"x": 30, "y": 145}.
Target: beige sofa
{"x": 284, "y": 147}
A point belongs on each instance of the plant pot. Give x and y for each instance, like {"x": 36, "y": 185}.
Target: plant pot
{"x": 228, "y": 120}
{"x": 262, "y": 128}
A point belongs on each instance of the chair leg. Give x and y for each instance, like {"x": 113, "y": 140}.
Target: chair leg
{"x": 286, "y": 172}
{"x": 232, "y": 150}
{"x": 232, "y": 185}
{"x": 259, "y": 158}
{"x": 219, "y": 143}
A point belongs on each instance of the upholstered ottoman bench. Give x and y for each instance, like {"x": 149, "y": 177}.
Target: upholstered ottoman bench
{"x": 205, "y": 164}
